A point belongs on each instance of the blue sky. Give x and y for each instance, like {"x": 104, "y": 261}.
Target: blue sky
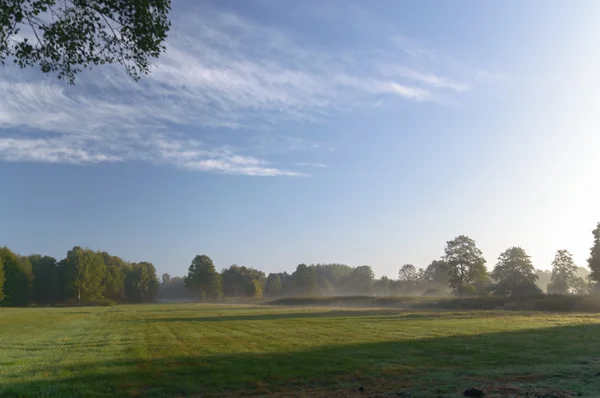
{"x": 274, "y": 133}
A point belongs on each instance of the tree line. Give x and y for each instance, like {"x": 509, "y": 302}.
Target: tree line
{"x": 461, "y": 271}
{"x": 84, "y": 276}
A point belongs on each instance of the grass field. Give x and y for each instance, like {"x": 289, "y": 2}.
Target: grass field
{"x": 198, "y": 350}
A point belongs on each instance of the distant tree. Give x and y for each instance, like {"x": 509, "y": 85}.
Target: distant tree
{"x": 66, "y": 36}
{"x": 514, "y": 274}
{"x": 46, "y": 282}
{"x": 1, "y": 280}
{"x": 84, "y": 272}
{"x": 382, "y": 286}
{"x": 203, "y": 278}
{"x": 563, "y": 273}
{"x": 254, "y": 289}
{"x": 466, "y": 265}
{"x": 236, "y": 280}
{"x": 305, "y": 280}
{"x": 594, "y": 259}
{"x": 544, "y": 278}
{"x": 141, "y": 282}
{"x": 114, "y": 277}
{"x": 273, "y": 286}
{"x": 408, "y": 278}
{"x": 362, "y": 279}
{"x": 580, "y": 286}
{"x": 334, "y": 278}
{"x": 435, "y": 278}
{"x": 166, "y": 278}
{"x": 175, "y": 290}
{"x": 18, "y": 278}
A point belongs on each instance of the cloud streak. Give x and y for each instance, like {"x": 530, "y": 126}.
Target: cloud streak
{"x": 221, "y": 73}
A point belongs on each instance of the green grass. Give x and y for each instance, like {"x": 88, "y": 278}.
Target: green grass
{"x": 197, "y": 350}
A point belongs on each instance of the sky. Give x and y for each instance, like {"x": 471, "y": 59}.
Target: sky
{"x": 275, "y": 133}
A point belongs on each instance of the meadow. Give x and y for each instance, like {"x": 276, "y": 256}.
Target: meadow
{"x": 167, "y": 350}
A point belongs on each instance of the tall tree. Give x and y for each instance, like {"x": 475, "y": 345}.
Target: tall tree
{"x": 334, "y": 278}
{"x": 166, "y": 278}
{"x": 237, "y": 280}
{"x": 594, "y": 259}
{"x": 18, "y": 279}
{"x": 466, "y": 265}
{"x": 381, "y": 286}
{"x": 563, "y": 273}
{"x": 66, "y": 36}
{"x": 362, "y": 279}
{"x": 305, "y": 280}
{"x": 141, "y": 282}
{"x": 84, "y": 272}
{"x": 514, "y": 273}
{"x": 273, "y": 286}
{"x": 114, "y": 277}
{"x": 46, "y": 282}
{"x": 203, "y": 278}
{"x": 1, "y": 279}
{"x": 254, "y": 289}
{"x": 408, "y": 278}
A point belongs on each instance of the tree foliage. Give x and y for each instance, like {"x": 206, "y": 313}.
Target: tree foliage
{"x": 408, "y": 278}
{"x": 141, "y": 283}
{"x": 68, "y": 35}
{"x": 85, "y": 271}
{"x": 362, "y": 279}
{"x": 273, "y": 286}
{"x": 514, "y": 274}
{"x": 239, "y": 281}
{"x": 46, "y": 279}
{"x": 305, "y": 280}
{"x": 1, "y": 279}
{"x": 203, "y": 278}
{"x": 594, "y": 259}
{"x": 466, "y": 265}
{"x": 563, "y": 273}
{"x": 18, "y": 278}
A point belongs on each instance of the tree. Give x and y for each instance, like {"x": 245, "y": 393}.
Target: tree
{"x": 1, "y": 279}
{"x": 407, "y": 278}
{"x": 18, "y": 279}
{"x": 563, "y": 273}
{"x": 114, "y": 277}
{"x": 166, "y": 278}
{"x": 435, "y": 278}
{"x": 236, "y": 280}
{"x": 203, "y": 278}
{"x": 84, "y": 273}
{"x": 66, "y": 36}
{"x": 46, "y": 279}
{"x": 141, "y": 282}
{"x": 466, "y": 265}
{"x": 382, "y": 286}
{"x": 254, "y": 289}
{"x": 334, "y": 278}
{"x": 514, "y": 274}
{"x": 362, "y": 279}
{"x": 305, "y": 280}
{"x": 273, "y": 286}
{"x": 594, "y": 259}
{"x": 544, "y": 278}
{"x": 175, "y": 290}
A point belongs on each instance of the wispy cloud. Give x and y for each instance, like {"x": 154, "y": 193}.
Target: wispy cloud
{"x": 221, "y": 72}
{"x": 309, "y": 164}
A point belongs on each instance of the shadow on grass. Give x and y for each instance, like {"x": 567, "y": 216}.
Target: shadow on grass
{"x": 561, "y": 359}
